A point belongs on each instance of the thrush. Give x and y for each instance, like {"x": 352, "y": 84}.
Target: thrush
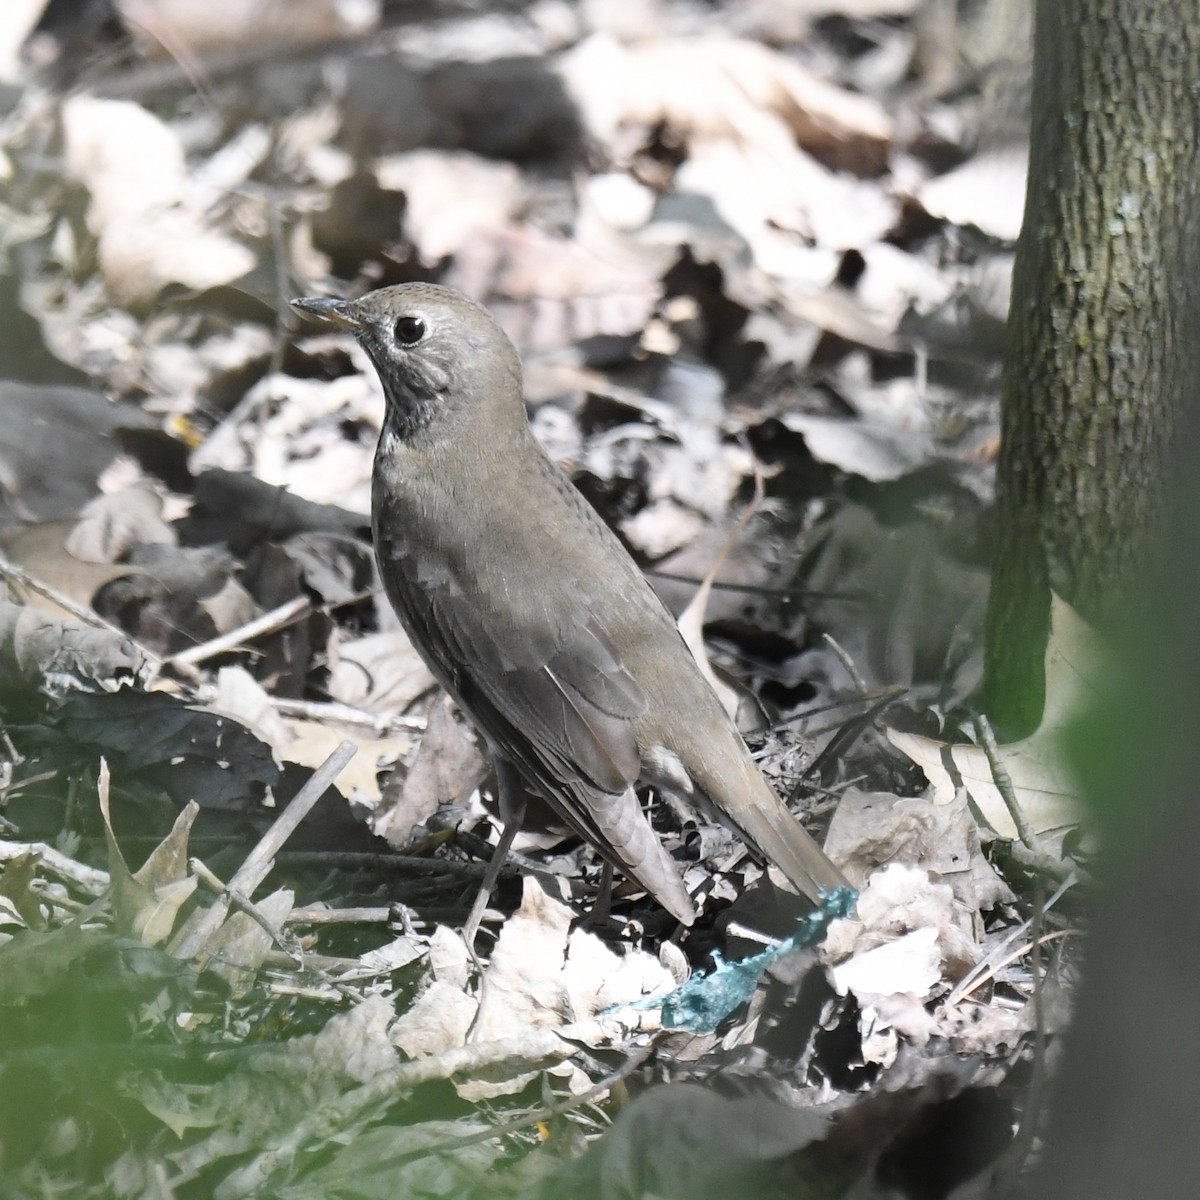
{"x": 531, "y": 613}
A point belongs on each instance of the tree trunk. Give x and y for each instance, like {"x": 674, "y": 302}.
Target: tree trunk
{"x": 1097, "y": 330}
{"x": 1123, "y": 1112}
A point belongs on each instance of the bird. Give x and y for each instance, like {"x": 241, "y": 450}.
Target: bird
{"x": 531, "y": 613}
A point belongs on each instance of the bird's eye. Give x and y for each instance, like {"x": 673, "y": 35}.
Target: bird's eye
{"x": 409, "y": 330}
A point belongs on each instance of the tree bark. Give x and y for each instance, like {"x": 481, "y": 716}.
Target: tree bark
{"x": 1098, "y": 327}
{"x": 1123, "y": 1113}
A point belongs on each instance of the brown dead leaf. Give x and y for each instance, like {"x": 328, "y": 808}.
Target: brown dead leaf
{"x": 539, "y": 978}
{"x": 17, "y": 19}
{"x": 146, "y": 903}
{"x": 17, "y": 898}
{"x": 35, "y": 644}
{"x": 41, "y": 551}
{"x": 872, "y": 829}
{"x": 908, "y": 933}
{"x": 312, "y": 742}
{"x": 782, "y": 202}
{"x": 836, "y": 311}
{"x": 717, "y": 86}
{"x": 662, "y": 527}
{"x": 135, "y": 171}
{"x": 449, "y": 766}
{"x": 141, "y": 256}
{"x": 691, "y": 620}
{"x": 453, "y": 197}
{"x": 987, "y": 191}
{"x": 437, "y": 1021}
{"x": 379, "y": 672}
{"x": 308, "y": 742}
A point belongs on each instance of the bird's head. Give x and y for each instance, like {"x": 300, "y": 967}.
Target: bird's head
{"x": 444, "y": 363}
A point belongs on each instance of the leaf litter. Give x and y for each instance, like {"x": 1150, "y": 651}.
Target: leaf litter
{"x": 761, "y": 248}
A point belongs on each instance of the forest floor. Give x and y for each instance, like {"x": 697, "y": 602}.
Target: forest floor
{"x": 756, "y": 259}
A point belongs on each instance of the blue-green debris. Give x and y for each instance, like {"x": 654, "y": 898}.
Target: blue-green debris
{"x": 702, "y": 1003}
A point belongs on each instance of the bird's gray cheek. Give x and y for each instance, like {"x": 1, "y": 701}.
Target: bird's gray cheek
{"x": 437, "y": 377}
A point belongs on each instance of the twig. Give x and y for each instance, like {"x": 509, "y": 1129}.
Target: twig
{"x": 846, "y": 734}
{"x": 1037, "y": 862}
{"x": 269, "y": 622}
{"x": 551, "y": 1111}
{"x": 843, "y": 656}
{"x": 347, "y": 714}
{"x": 261, "y": 859}
{"x": 316, "y": 915}
{"x": 691, "y": 620}
{"x": 22, "y": 578}
{"x": 361, "y": 860}
{"x": 995, "y": 968}
{"x": 991, "y": 963}
{"x": 1004, "y": 784}
{"x": 88, "y": 879}
{"x": 214, "y": 884}
{"x": 1012, "y": 1163}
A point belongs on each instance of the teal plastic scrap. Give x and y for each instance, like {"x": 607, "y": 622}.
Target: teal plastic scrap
{"x": 702, "y": 1003}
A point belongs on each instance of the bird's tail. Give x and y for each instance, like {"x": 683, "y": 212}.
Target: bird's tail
{"x": 737, "y": 791}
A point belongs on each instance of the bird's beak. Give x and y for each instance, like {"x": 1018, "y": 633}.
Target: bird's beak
{"x": 337, "y": 312}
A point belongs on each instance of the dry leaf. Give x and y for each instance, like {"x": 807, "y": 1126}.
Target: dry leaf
{"x": 308, "y": 742}
{"x": 872, "y": 829}
{"x": 1045, "y": 785}
{"x": 41, "y": 550}
{"x": 19, "y": 903}
{"x": 184, "y": 29}
{"x": 236, "y": 950}
{"x": 146, "y": 903}
{"x": 112, "y": 524}
{"x": 987, "y": 191}
{"x": 379, "y": 672}
{"x": 898, "y": 903}
{"x": 911, "y": 964}
{"x": 35, "y": 644}
{"x": 453, "y": 197}
{"x": 722, "y": 87}
{"x": 135, "y": 171}
{"x": 449, "y": 766}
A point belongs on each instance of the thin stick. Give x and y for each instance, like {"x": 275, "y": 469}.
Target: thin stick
{"x": 261, "y": 859}
{"x": 994, "y": 969}
{"x": 328, "y": 710}
{"x": 352, "y": 860}
{"x": 214, "y": 884}
{"x": 22, "y": 578}
{"x": 315, "y": 915}
{"x": 843, "y": 656}
{"x": 968, "y": 981}
{"x": 551, "y": 1111}
{"x": 269, "y": 622}
{"x": 88, "y": 879}
{"x": 194, "y": 935}
{"x": 1004, "y": 784}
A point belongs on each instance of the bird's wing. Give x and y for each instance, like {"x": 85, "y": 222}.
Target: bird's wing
{"x": 568, "y": 698}
{"x": 556, "y": 699}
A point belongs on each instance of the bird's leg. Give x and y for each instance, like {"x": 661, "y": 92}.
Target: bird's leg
{"x": 510, "y": 797}
{"x": 602, "y": 907}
